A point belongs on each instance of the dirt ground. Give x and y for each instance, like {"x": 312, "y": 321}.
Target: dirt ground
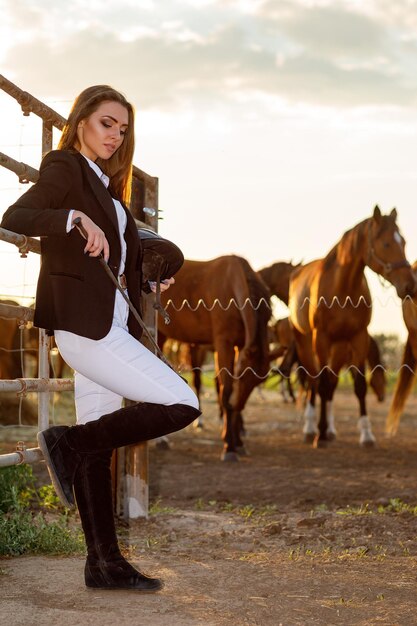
{"x": 290, "y": 535}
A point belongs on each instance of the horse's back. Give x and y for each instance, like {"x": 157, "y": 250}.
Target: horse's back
{"x": 207, "y": 296}
{"x": 302, "y": 294}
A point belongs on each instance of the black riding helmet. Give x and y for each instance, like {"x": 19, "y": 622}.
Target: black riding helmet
{"x": 161, "y": 258}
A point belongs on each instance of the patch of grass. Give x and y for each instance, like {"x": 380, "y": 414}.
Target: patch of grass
{"x": 17, "y": 487}
{"x": 249, "y": 510}
{"x": 398, "y": 506}
{"x": 24, "y": 530}
{"x": 49, "y": 499}
{"x": 207, "y": 378}
{"x": 245, "y": 511}
{"x": 356, "y": 553}
{"x": 156, "y": 508}
{"x": 362, "y": 509}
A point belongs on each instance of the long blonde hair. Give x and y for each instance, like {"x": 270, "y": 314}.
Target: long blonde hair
{"x": 119, "y": 167}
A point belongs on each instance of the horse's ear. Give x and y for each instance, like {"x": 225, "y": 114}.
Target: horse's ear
{"x": 377, "y": 214}
{"x": 393, "y": 213}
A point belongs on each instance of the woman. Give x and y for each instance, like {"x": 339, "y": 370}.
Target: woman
{"x": 88, "y": 178}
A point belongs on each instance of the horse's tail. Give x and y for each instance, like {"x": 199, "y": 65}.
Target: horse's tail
{"x": 402, "y": 389}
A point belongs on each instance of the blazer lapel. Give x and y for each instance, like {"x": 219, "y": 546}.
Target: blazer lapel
{"x": 101, "y": 193}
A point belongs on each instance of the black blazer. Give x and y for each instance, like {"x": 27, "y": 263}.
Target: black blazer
{"x": 74, "y": 292}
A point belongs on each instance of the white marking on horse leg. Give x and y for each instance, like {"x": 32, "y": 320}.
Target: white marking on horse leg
{"x": 366, "y": 435}
{"x": 310, "y": 420}
{"x": 331, "y": 428}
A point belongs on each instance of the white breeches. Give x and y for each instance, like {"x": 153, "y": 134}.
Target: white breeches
{"x": 116, "y": 367}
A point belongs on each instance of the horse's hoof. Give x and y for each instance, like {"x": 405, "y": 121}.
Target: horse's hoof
{"x": 309, "y": 437}
{"x": 320, "y": 443}
{"x": 162, "y": 444}
{"x": 241, "y": 451}
{"x": 229, "y": 457}
{"x": 331, "y": 436}
{"x": 369, "y": 443}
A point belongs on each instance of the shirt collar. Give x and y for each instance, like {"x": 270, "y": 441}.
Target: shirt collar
{"x": 102, "y": 176}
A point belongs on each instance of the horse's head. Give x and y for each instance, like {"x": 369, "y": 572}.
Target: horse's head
{"x": 386, "y": 252}
{"x": 277, "y": 278}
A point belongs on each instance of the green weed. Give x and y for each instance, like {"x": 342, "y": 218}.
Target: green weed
{"x": 156, "y": 508}
{"x": 24, "y": 531}
{"x": 363, "y": 509}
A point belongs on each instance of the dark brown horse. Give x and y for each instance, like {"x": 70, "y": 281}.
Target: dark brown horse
{"x": 223, "y": 303}
{"x": 277, "y": 278}
{"x": 406, "y": 377}
{"x": 330, "y": 308}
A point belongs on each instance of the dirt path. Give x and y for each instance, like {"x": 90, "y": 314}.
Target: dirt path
{"x": 289, "y": 535}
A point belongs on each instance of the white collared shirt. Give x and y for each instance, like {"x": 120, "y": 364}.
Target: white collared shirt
{"x": 120, "y": 212}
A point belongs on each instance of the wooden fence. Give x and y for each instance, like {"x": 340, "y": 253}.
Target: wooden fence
{"x": 130, "y": 465}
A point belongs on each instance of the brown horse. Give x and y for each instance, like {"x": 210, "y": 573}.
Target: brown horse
{"x": 285, "y": 342}
{"x": 405, "y": 380}
{"x": 277, "y": 278}
{"x": 330, "y": 308}
{"x": 223, "y": 303}
{"x": 11, "y": 357}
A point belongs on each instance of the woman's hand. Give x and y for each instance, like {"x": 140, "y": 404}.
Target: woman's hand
{"x": 96, "y": 239}
{"x": 165, "y": 284}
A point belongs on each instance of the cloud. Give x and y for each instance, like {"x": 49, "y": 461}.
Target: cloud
{"x": 328, "y": 55}
{"x": 334, "y": 31}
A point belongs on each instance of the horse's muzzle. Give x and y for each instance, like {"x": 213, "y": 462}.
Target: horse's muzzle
{"x": 409, "y": 288}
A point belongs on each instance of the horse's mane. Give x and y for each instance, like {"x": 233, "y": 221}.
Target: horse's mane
{"x": 345, "y": 250}
{"x": 259, "y": 295}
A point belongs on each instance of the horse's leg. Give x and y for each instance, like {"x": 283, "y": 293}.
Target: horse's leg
{"x": 337, "y": 360}
{"x": 217, "y": 385}
{"x": 378, "y": 380}
{"x": 326, "y": 385}
{"x": 366, "y": 437}
{"x": 196, "y": 363}
{"x": 309, "y": 428}
{"x": 225, "y": 356}
{"x": 290, "y": 390}
{"x": 324, "y": 390}
{"x": 307, "y": 369}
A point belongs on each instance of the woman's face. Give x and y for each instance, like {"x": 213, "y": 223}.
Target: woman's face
{"x": 101, "y": 134}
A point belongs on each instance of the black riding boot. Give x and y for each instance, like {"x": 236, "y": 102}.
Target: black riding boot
{"x": 64, "y": 446}
{"x": 105, "y": 567}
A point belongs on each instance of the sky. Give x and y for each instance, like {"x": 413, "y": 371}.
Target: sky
{"x": 273, "y": 125}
